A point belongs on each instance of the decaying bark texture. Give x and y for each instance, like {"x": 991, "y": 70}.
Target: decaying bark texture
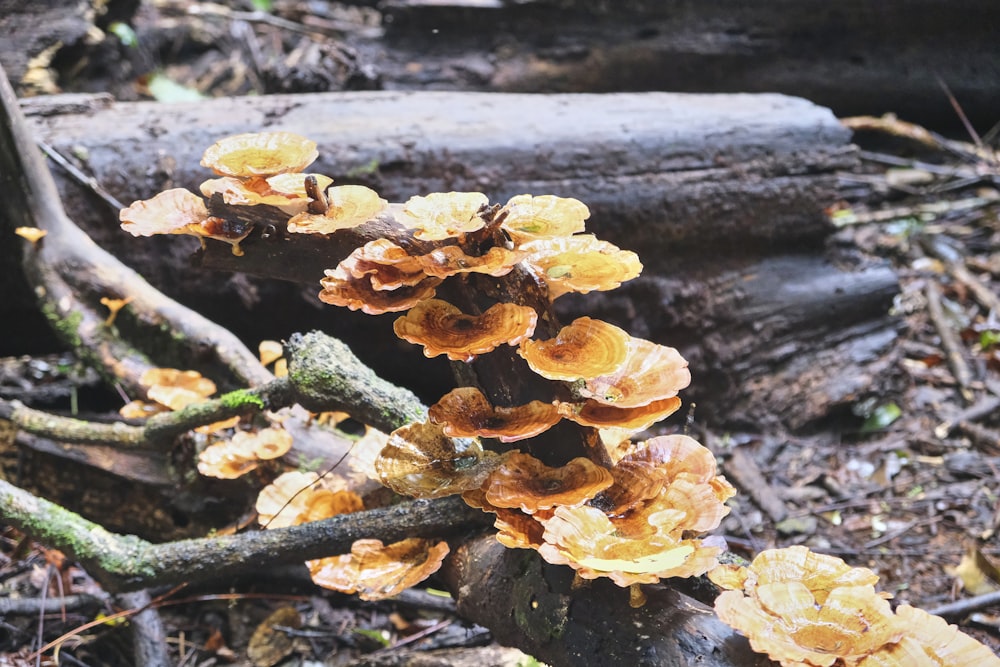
{"x": 856, "y": 57}
{"x": 722, "y": 196}
{"x": 536, "y": 607}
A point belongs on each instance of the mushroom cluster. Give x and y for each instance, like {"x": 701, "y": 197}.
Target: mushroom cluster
{"x": 810, "y": 610}
{"x": 550, "y": 452}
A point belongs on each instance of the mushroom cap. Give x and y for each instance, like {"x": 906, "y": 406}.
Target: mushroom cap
{"x": 349, "y": 207}
{"x": 450, "y": 260}
{"x": 786, "y": 621}
{"x": 580, "y": 263}
{"x": 286, "y": 191}
{"x": 378, "y": 260}
{"x": 600, "y": 415}
{"x": 522, "y": 481}
{"x": 443, "y": 329}
{"x": 176, "y": 388}
{"x": 932, "y": 636}
{"x": 443, "y": 215}
{"x": 32, "y": 234}
{"x": 297, "y": 497}
{"x": 586, "y": 348}
{"x": 591, "y": 543}
{"x": 375, "y": 571}
{"x": 527, "y": 217}
{"x": 226, "y": 460}
{"x": 466, "y": 412}
{"x": 169, "y": 212}
{"x": 419, "y": 460}
{"x": 260, "y": 154}
{"x": 649, "y": 373}
{"x": 517, "y": 530}
{"x": 342, "y": 289}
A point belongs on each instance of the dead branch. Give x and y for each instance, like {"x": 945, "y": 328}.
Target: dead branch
{"x": 126, "y": 562}
{"x": 70, "y": 273}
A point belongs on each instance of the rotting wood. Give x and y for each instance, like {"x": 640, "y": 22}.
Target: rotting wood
{"x": 710, "y": 189}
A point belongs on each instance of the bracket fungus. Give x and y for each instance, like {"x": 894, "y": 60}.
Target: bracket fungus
{"x": 581, "y": 263}
{"x": 650, "y": 372}
{"x": 443, "y": 215}
{"x": 522, "y": 481}
{"x": 528, "y": 217}
{"x": 180, "y": 211}
{"x": 584, "y": 349}
{"x": 260, "y": 154}
{"x": 375, "y": 571}
{"x": 466, "y": 412}
{"x": 232, "y": 458}
{"x": 419, "y": 460}
{"x": 441, "y": 328}
{"x": 347, "y": 207}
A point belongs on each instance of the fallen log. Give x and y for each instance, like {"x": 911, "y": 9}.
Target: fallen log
{"x": 855, "y": 57}
{"x": 715, "y": 192}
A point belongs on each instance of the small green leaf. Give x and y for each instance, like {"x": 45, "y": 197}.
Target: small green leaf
{"x": 164, "y": 89}
{"x": 262, "y": 5}
{"x": 989, "y": 338}
{"x": 124, "y": 33}
{"x": 881, "y": 417}
{"x": 381, "y": 636}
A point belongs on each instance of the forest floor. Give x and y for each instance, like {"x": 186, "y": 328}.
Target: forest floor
{"x": 909, "y": 486}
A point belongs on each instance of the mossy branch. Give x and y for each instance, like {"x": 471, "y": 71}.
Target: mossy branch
{"x": 126, "y": 562}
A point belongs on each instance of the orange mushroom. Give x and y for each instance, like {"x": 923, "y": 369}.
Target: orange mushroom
{"x": 342, "y": 289}
{"x": 299, "y": 497}
{"x": 260, "y": 154}
{"x": 232, "y": 458}
{"x": 600, "y": 415}
{"x": 585, "y": 348}
{"x": 419, "y": 460}
{"x": 649, "y": 373}
{"x": 32, "y": 234}
{"x": 465, "y": 412}
{"x": 285, "y": 191}
{"x": 524, "y": 482}
{"x": 450, "y": 260}
{"x": 594, "y": 545}
{"x": 441, "y": 328}
{"x": 169, "y": 212}
{"x": 175, "y": 388}
{"x": 931, "y": 637}
{"x": 385, "y": 264}
{"x": 349, "y": 207}
{"x": 179, "y": 211}
{"x": 375, "y": 571}
{"x": 580, "y": 263}
{"x": 527, "y": 217}
{"x": 798, "y": 606}
{"x": 443, "y": 215}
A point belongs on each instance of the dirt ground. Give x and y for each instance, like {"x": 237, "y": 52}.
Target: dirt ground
{"x": 908, "y": 486}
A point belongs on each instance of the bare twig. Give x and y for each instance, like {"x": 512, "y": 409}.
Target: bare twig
{"x": 148, "y": 634}
{"x": 967, "y": 606}
{"x": 949, "y": 341}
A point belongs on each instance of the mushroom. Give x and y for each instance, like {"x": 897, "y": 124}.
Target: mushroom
{"x": 32, "y": 234}
{"x": 600, "y": 415}
{"x": 443, "y": 215}
{"x": 342, "y": 289}
{"x": 284, "y": 191}
{"x": 450, "y": 260}
{"x": 297, "y": 497}
{"x": 260, "y": 154}
{"x": 586, "y": 348}
{"x": 441, "y": 328}
{"x": 419, "y": 460}
{"x": 232, "y": 458}
{"x": 580, "y": 263}
{"x": 593, "y": 544}
{"x": 375, "y": 571}
{"x": 386, "y": 265}
{"x": 931, "y": 637}
{"x": 527, "y": 217}
{"x": 522, "y": 481}
{"x": 179, "y": 211}
{"x": 649, "y": 373}
{"x": 465, "y": 412}
{"x": 349, "y": 207}
{"x": 175, "y": 388}
{"x": 800, "y": 607}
